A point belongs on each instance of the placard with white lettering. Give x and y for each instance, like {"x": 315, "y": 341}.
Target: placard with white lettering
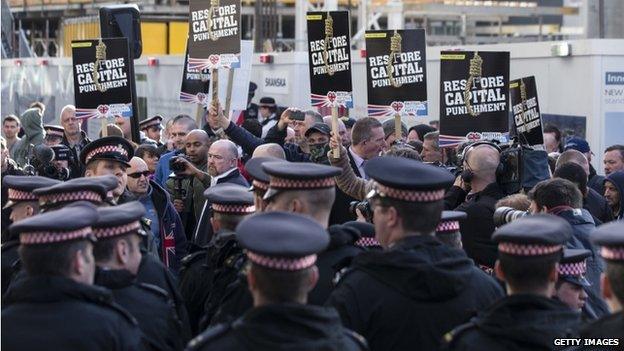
{"x": 101, "y": 78}
{"x": 396, "y": 72}
{"x": 329, "y": 56}
{"x": 195, "y": 83}
{"x": 474, "y": 88}
{"x": 214, "y": 34}
{"x": 525, "y": 109}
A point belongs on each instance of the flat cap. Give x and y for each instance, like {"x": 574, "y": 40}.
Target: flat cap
{"x": 318, "y": 128}
{"x": 92, "y": 189}
{"x": 610, "y": 237}
{"x": 151, "y": 122}
{"x": 298, "y": 176}
{"x": 230, "y": 199}
{"x": 21, "y": 188}
{"x": 67, "y": 224}
{"x": 407, "y": 180}
{"x": 260, "y": 177}
{"x": 449, "y": 223}
{"x": 119, "y": 220}
{"x": 282, "y": 241}
{"x": 573, "y": 266}
{"x": 54, "y": 130}
{"x": 112, "y": 148}
{"x": 536, "y": 235}
{"x": 367, "y": 233}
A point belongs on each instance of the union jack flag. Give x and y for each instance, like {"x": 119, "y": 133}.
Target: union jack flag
{"x": 169, "y": 247}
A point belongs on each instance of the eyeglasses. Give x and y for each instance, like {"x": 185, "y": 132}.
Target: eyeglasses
{"x": 138, "y": 175}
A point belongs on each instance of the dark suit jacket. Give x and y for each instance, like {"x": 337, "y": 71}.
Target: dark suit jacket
{"x": 340, "y": 210}
{"x": 204, "y": 232}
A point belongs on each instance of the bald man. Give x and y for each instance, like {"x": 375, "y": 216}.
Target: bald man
{"x": 269, "y": 150}
{"x": 476, "y": 193}
{"x": 191, "y": 179}
{"x": 223, "y": 163}
{"x": 159, "y": 209}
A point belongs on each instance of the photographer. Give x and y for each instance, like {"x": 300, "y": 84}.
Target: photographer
{"x": 475, "y": 192}
{"x": 190, "y": 179}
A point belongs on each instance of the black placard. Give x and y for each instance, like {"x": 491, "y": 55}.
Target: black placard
{"x": 526, "y": 112}
{"x": 195, "y": 83}
{"x": 330, "y": 87}
{"x": 214, "y": 34}
{"x": 110, "y": 94}
{"x": 488, "y": 96}
{"x": 406, "y": 93}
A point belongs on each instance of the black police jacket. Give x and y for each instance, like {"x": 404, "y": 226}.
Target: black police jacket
{"x": 195, "y": 280}
{"x": 236, "y": 298}
{"x": 56, "y": 313}
{"x": 515, "y": 323}
{"x": 281, "y": 327}
{"x": 10, "y": 262}
{"x": 149, "y": 304}
{"x": 608, "y": 327}
{"x": 154, "y": 272}
{"x": 478, "y": 227}
{"x": 410, "y": 295}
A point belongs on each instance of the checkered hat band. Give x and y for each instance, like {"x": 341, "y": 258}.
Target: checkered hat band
{"x": 575, "y": 268}
{"x": 260, "y": 185}
{"x": 411, "y": 195}
{"x": 57, "y": 133}
{"x": 105, "y": 149}
{"x": 236, "y": 209}
{"x": 612, "y": 253}
{"x": 149, "y": 124}
{"x": 107, "y": 232}
{"x": 282, "y": 263}
{"x": 528, "y": 249}
{"x": 48, "y": 237}
{"x": 317, "y": 183}
{"x": 83, "y": 195}
{"x": 447, "y": 226}
{"x": 19, "y": 195}
{"x": 367, "y": 242}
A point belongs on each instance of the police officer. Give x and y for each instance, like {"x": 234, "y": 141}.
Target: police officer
{"x": 23, "y": 204}
{"x": 208, "y": 271}
{"x": 569, "y": 288}
{"x": 447, "y": 230}
{"x": 308, "y": 189}
{"x": 282, "y": 248}
{"x": 611, "y": 238}
{"x": 417, "y": 289}
{"x": 56, "y": 306}
{"x": 118, "y": 256}
{"x": 529, "y": 250}
{"x": 260, "y": 180}
{"x": 252, "y": 109}
{"x": 96, "y": 190}
{"x": 152, "y": 128}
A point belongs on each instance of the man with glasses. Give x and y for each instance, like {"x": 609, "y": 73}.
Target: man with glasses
{"x": 164, "y": 220}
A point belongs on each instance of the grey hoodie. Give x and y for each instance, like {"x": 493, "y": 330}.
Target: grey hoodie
{"x": 33, "y": 134}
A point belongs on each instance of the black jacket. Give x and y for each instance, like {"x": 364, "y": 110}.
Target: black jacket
{"x": 152, "y": 271}
{"x": 608, "y": 327}
{"x": 76, "y": 167}
{"x": 55, "y": 313}
{"x": 597, "y": 206}
{"x": 515, "y": 323}
{"x": 235, "y": 298}
{"x": 281, "y": 327}
{"x": 595, "y": 181}
{"x": 410, "y": 295}
{"x": 195, "y": 280}
{"x": 10, "y": 262}
{"x": 478, "y": 227}
{"x": 149, "y": 304}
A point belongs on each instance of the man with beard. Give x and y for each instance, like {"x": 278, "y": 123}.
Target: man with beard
{"x": 222, "y": 167}
{"x": 190, "y": 180}
{"x": 181, "y": 125}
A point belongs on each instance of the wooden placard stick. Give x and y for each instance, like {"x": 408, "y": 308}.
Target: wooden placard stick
{"x": 228, "y": 89}
{"x": 336, "y": 150}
